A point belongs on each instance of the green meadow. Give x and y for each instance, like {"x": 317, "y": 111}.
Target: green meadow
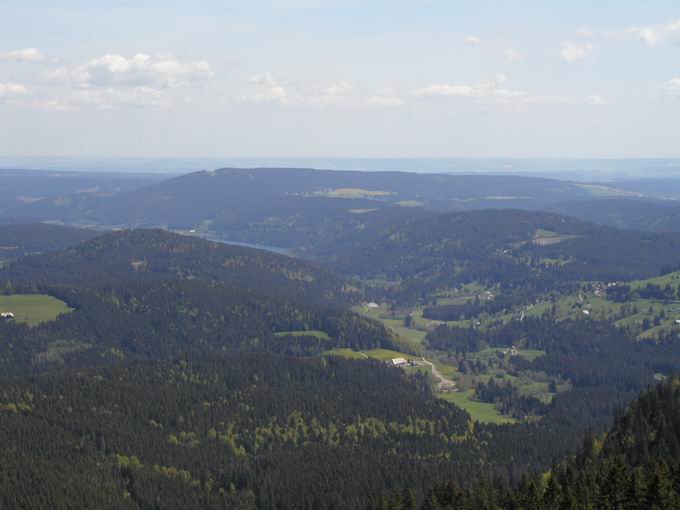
{"x": 33, "y": 308}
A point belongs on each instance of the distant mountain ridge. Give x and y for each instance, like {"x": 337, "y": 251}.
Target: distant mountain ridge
{"x": 292, "y": 207}
{"x": 635, "y": 214}
{"x": 17, "y": 240}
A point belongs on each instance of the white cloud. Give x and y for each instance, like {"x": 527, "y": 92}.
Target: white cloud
{"x": 595, "y": 100}
{"x": 585, "y": 32}
{"x": 340, "y": 94}
{"x": 572, "y": 52}
{"x": 654, "y": 35}
{"x": 500, "y": 78}
{"x": 384, "y": 101}
{"x": 487, "y": 93}
{"x": 271, "y": 90}
{"x": 472, "y": 40}
{"x": 512, "y": 55}
{"x": 23, "y": 55}
{"x": 337, "y": 89}
{"x": 139, "y": 70}
{"x": 10, "y": 90}
{"x": 670, "y": 88}
{"x": 104, "y": 99}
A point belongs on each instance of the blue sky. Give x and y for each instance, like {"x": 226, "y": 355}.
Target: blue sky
{"x": 419, "y": 78}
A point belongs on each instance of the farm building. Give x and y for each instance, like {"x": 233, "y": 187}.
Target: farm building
{"x": 7, "y": 316}
{"x": 399, "y": 362}
{"x": 372, "y": 305}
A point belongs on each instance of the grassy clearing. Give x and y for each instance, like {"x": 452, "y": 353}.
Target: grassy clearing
{"x": 409, "y": 338}
{"x": 492, "y": 352}
{"x": 345, "y": 353}
{"x": 410, "y": 203}
{"x": 33, "y": 309}
{"x": 361, "y": 211}
{"x": 357, "y": 193}
{"x": 630, "y": 314}
{"x": 321, "y": 335}
{"x": 479, "y": 411}
{"x": 672, "y": 279}
{"x": 445, "y": 301}
{"x": 542, "y": 232}
{"x": 448, "y": 371}
{"x": 388, "y": 354}
{"x": 600, "y": 190}
{"x": 531, "y": 354}
{"x": 377, "y": 354}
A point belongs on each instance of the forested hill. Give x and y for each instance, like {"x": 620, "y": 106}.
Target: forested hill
{"x": 151, "y": 295}
{"x": 635, "y": 465}
{"x": 635, "y": 214}
{"x": 294, "y": 207}
{"x": 238, "y": 431}
{"x": 505, "y": 246}
{"x": 45, "y": 195}
{"x": 143, "y": 255}
{"x": 223, "y": 194}
{"x": 25, "y": 239}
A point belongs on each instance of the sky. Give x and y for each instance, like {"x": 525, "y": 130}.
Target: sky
{"x": 340, "y": 78}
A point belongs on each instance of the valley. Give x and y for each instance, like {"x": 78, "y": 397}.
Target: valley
{"x": 447, "y": 344}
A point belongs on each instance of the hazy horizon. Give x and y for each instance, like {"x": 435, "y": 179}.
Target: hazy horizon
{"x": 591, "y": 169}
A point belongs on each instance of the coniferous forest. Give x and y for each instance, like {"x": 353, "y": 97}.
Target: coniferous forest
{"x": 339, "y": 255}
{"x": 147, "y": 369}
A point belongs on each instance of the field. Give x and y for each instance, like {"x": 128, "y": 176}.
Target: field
{"x": 33, "y": 308}
{"x": 361, "y": 211}
{"x": 345, "y": 353}
{"x": 494, "y": 364}
{"x": 377, "y": 354}
{"x": 357, "y": 193}
{"x": 478, "y": 411}
{"x": 659, "y": 315}
{"x": 387, "y": 354}
{"x": 321, "y": 335}
{"x": 409, "y": 338}
{"x": 410, "y": 203}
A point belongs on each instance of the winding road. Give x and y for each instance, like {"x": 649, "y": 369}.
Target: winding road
{"x": 444, "y": 384}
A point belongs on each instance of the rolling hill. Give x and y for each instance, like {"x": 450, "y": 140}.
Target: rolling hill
{"x": 151, "y": 294}
{"x": 17, "y": 240}
{"x": 630, "y": 213}
{"x": 149, "y": 255}
{"x": 509, "y": 247}
{"x": 40, "y": 195}
{"x": 294, "y": 207}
